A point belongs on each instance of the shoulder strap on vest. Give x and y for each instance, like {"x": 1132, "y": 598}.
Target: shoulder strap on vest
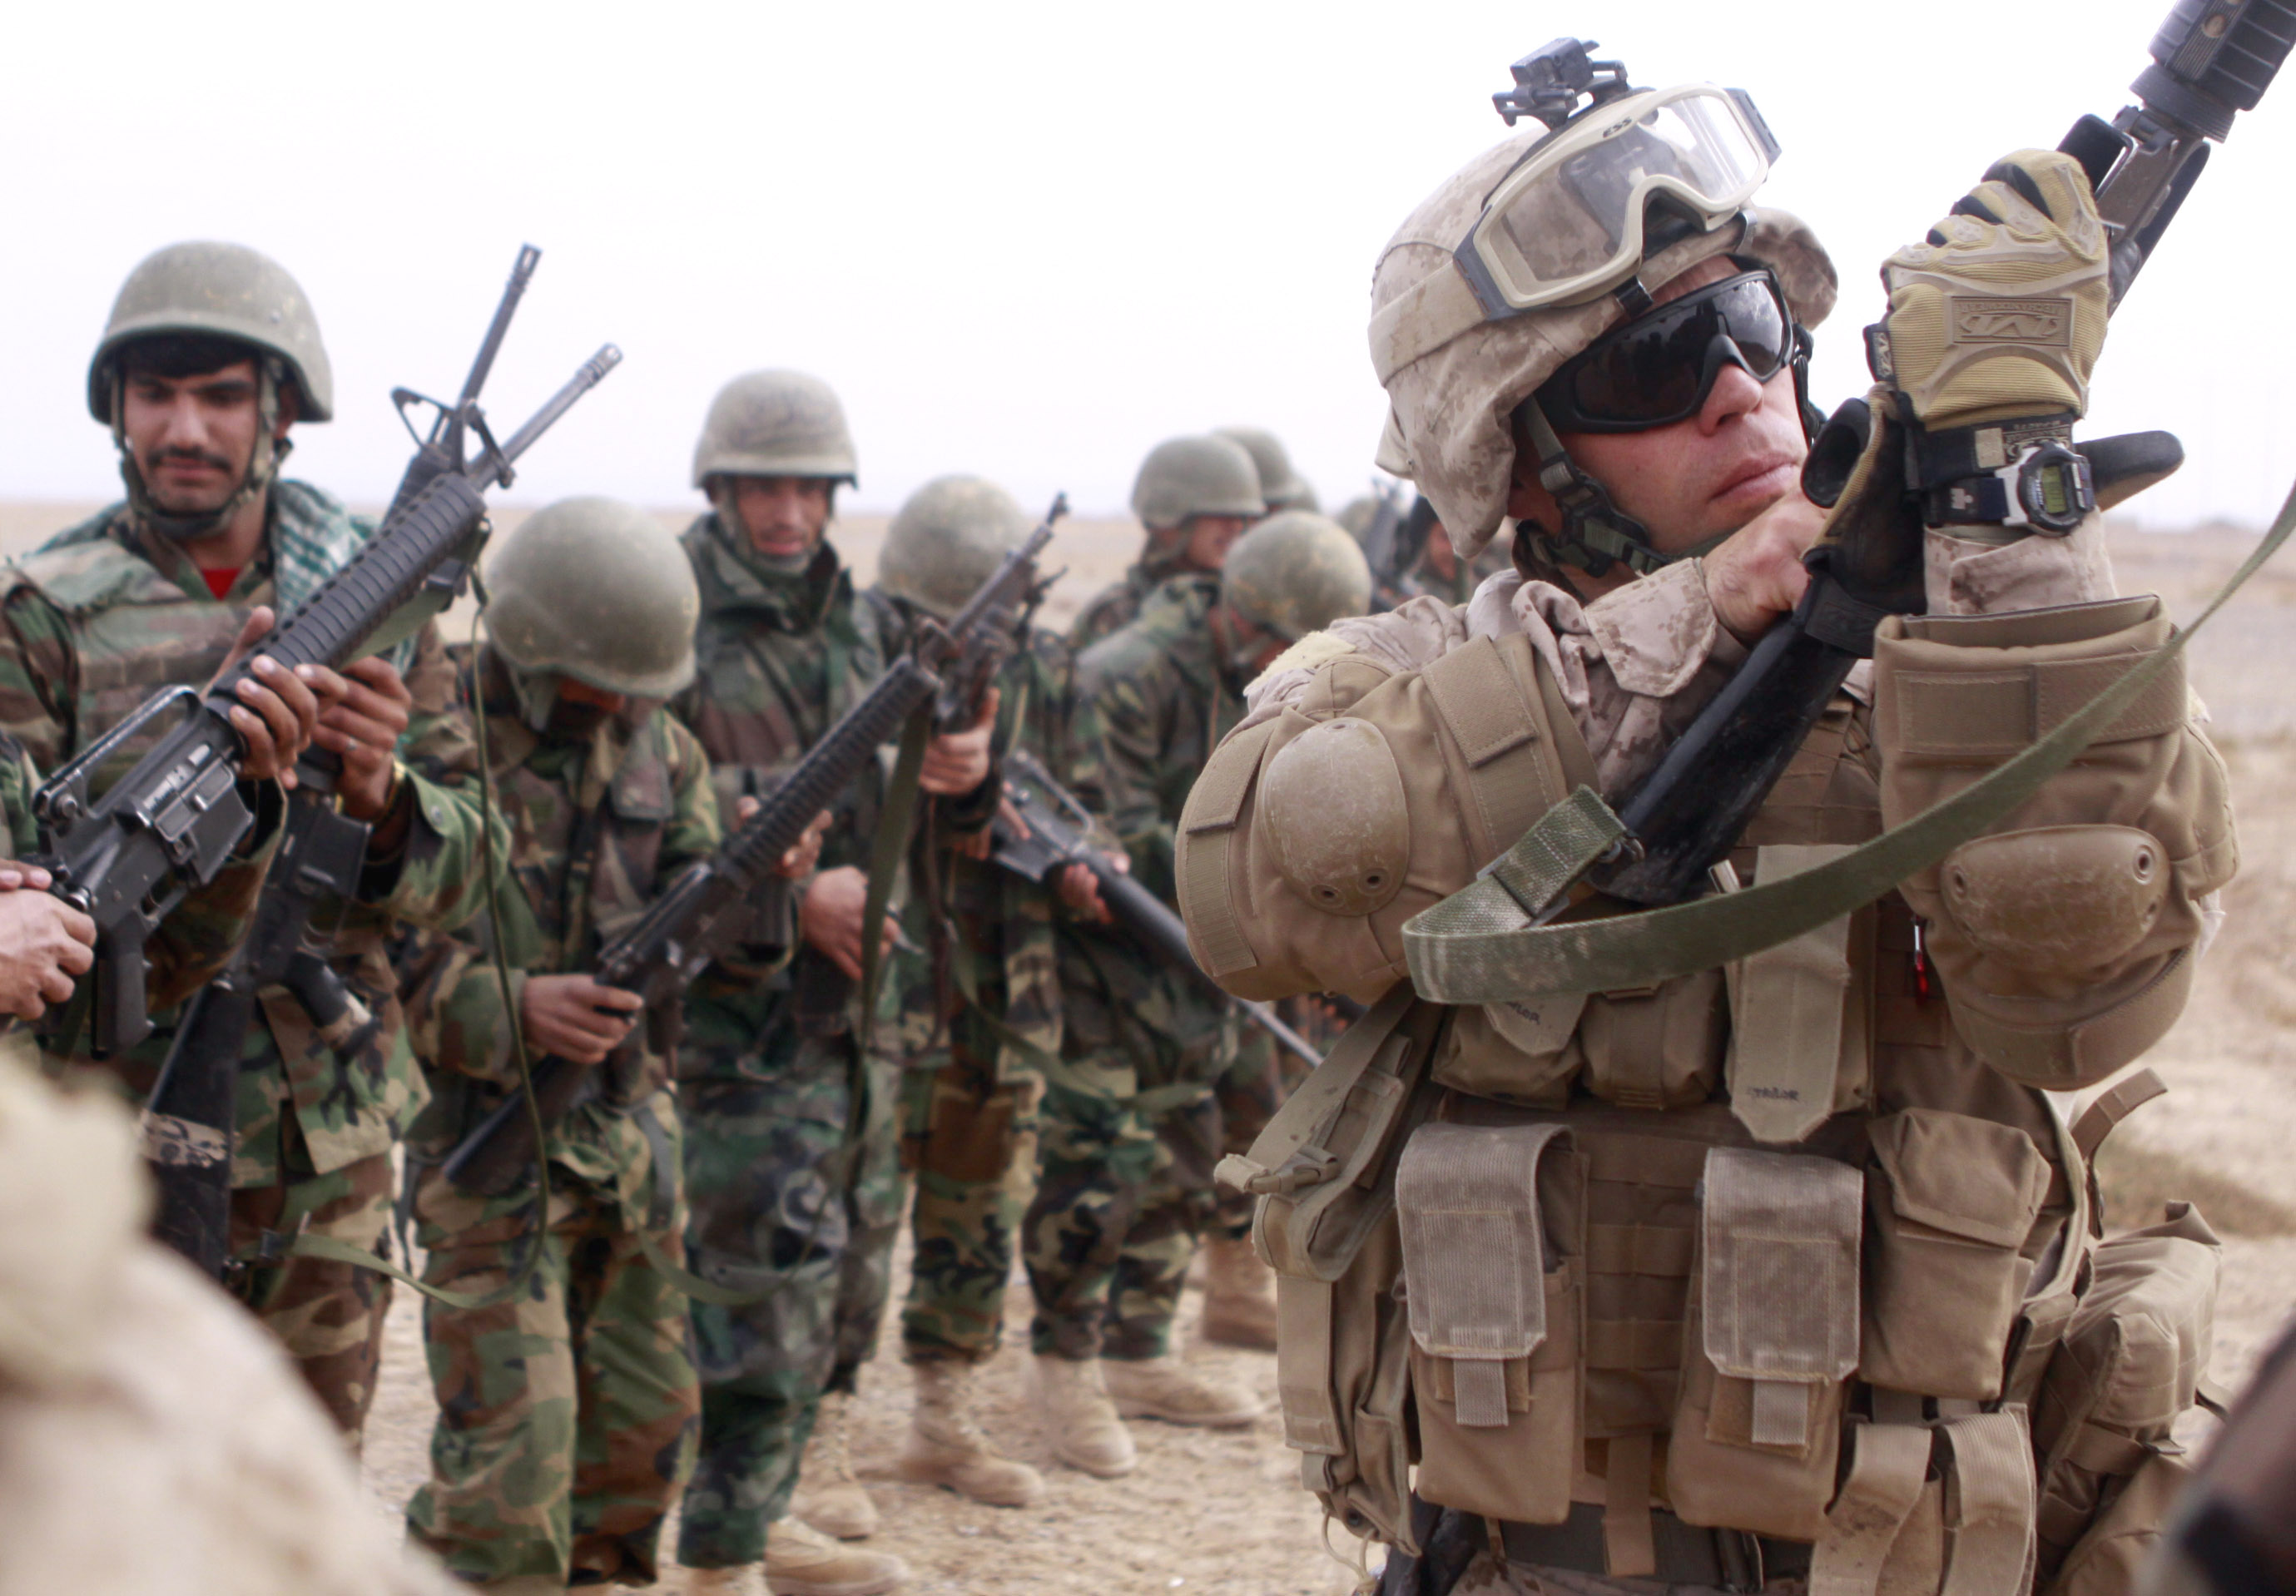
{"x": 2111, "y": 1106}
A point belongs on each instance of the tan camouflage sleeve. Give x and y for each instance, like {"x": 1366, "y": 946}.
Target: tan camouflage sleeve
{"x": 1634, "y": 667}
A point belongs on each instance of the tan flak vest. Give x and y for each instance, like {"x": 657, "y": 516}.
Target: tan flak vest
{"x": 1534, "y": 1262}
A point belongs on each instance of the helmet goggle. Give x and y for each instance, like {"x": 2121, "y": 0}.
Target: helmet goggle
{"x": 1568, "y": 223}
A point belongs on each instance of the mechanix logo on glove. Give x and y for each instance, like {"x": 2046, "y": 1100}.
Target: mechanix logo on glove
{"x": 2048, "y": 322}
{"x": 2000, "y": 313}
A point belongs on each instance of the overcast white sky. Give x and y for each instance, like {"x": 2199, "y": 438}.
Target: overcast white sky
{"x": 1023, "y": 239}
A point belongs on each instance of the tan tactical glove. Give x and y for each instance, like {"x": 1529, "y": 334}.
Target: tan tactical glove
{"x": 2001, "y": 313}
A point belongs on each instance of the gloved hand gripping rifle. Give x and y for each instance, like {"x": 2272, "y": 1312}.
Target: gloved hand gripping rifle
{"x": 1051, "y": 834}
{"x": 705, "y": 911}
{"x": 2211, "y": 60}
{"x": 171, "y": 822}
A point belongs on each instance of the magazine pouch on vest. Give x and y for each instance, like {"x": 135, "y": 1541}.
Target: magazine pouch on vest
{"x": 1769, "y": 1343}
{"x": 1493, "y": 1224}
{"x": 1324, "y": 1170}
{"x": 2131, "y": 1360}
{"x": 1952, "y": 1199}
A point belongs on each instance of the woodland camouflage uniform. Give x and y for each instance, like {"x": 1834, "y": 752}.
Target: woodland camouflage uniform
{"x": 566, "y": 1417}
{"x": 793, "y": 1174}
{"x": 1131, "y": 1133}
{"x": 91, "y": 626}
{"x": 1117, "y": 605}
{"x": 975, "y": 1009}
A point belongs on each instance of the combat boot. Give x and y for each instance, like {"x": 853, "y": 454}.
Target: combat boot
{"x": 829, "y": 1494}
{"x": 802, "y": 1561}
{"x": 1167, "y": 1388}
{"x": 1239, "y": 1296}
{"x": 1080, "y": 1419}
{"x": 742, "y": 1579}
{"x": 948, "y": 1447}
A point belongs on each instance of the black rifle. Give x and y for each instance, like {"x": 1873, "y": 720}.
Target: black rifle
{"x": 2212, "y": 59}
{"x": 1051, "y": 834}
{"x": 189, "y": 1119}
{"x": 707, "y": 908}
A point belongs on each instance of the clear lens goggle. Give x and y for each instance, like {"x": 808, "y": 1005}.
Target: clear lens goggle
{"x": 1568, "y": 224}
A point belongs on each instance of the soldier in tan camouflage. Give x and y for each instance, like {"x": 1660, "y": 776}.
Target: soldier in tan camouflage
{"x": 1196, "y": 495}
{"x": 1605, "y": 1276}
{"x": 212, "y": 356}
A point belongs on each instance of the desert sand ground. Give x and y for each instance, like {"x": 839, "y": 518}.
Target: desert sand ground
{"x": 1223, "y": 1511}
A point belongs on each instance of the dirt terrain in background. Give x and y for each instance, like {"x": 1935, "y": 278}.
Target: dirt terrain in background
{"x": 1223, "y": 1511}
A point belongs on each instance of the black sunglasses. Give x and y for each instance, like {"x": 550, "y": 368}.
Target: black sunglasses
{"x": 1659, "y": 368}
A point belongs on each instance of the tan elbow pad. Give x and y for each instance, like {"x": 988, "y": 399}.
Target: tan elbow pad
{"x": 2063, "y": 937}
{"x": 1311, "y": 837}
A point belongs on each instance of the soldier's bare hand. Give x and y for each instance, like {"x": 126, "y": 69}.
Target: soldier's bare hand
{"x": 797, "y": 864}
{"x": 575, "y": 1017}
{"x": 278, "y": 709}
{"x": 14, "y": 874}
{"x": 44, "y": 943}
{"x": 830, "y": 918}
{"x": 1756, "y": 575}
{"x": 957, "y": 762}
{"x": 1080, "y": 889}
{"x": 364, "y": 726}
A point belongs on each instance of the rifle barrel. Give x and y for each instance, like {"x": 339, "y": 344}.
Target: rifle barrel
{"x": 521, "y": 273}
{"x": 588, "y": 376}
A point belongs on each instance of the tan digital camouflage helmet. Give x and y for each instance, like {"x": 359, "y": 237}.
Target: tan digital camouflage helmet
{"x": 219, "y": 291}
{"x": 1454, "y": 378}
{"x": 775, "y": 424}
{"x": 597, "y": 590}
{"x": 1295, "y": 573}
{"x": 1184, "y": 478}
{"x": 1280, "y": 486}
{"x": 947, "y": 540}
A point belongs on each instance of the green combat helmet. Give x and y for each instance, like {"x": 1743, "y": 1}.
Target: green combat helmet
{"x": 1184, "y": 478}
{"x": 1283, "y": 487}
{"x": 215, "y": 291}
{"x": 597, "y": 590}
{"x": 775, "y": 424}
{"x": 220, "y": 291}
{"x": 1295, "y": 573}
{"x": 949, "y": 539}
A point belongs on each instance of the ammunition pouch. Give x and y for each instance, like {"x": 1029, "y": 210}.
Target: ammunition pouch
{"x": 2130, "y": 1362}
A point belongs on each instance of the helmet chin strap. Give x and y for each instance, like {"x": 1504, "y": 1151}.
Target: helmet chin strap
{"x": 536, "y": 692}
{"x": 1595, "y": 534}
{"x": 270, "y": 452}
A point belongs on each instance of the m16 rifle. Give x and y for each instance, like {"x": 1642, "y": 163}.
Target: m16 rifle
{"x": 705, "y": 911}
{"x": 169, "y": 824}
{"x": 2211, "y": 60}
{"x": 1045, "y": 828}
